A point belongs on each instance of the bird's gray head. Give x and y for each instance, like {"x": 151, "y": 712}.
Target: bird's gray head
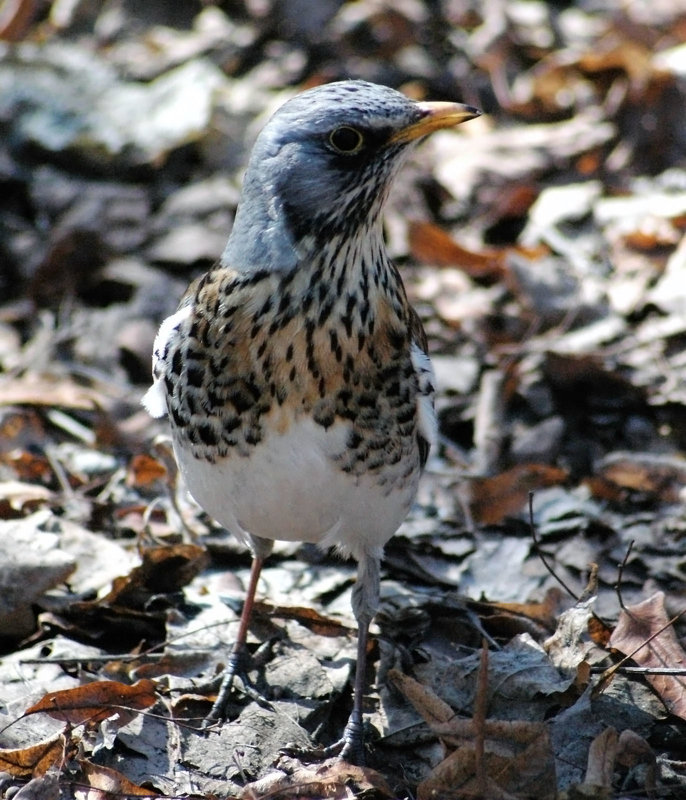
{"x": 322, "y": 167}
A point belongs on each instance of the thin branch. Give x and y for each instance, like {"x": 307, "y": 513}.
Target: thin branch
{"x": 540, "y": 552}
{"x": 620, "y": 575}
{"x": 642, "y": 670}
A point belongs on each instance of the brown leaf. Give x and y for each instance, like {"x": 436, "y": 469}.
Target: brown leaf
{"x": 308, "y": 617}
{"x": 633, "y": 749}
{"x": 599, "y": 632}
{"x": 425, "y": 702}
{"x": 95, "y": 701}
{"x": 332, "y": 779}
{"x": 513, "y": 202}
{"x": 28, "y": 466}
{"x": 601, "y": 761}
{"x": 16, "y": 19}
{"x": 517, "y": 761}
{"x": 432, "y": 245}
{"x": 663, "y": 477}
{"x": 109, "y": 784}
{"x": 166, "y": 568}
{"x": 26, "y": 762}
{"x": 493, "y": 499}
{"x": 544, "y": 612}
{"x": 35, "y": 390}
{"x": 144, "y": 470}
{"x": 631, "y": 57}
{"x": 636, "y": 625}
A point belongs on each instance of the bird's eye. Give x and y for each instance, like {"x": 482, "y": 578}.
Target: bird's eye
{"x": 346, "y": 140}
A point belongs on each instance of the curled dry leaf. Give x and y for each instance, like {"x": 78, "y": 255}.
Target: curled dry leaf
{"x": 96, "y": 701}
{"x": 330, "y": 779}
{"x": 633, "y": 750}
{"x": 544, "y": 612}
{"x": 567, "y": 647}
{"x": 599, "y": 632}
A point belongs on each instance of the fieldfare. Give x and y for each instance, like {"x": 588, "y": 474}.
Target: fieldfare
{"x": 295, "y": 373}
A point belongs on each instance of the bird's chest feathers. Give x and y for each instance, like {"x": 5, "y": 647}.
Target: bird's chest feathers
{"x": 262, "y": 355}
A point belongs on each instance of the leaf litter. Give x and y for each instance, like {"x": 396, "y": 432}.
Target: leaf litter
{"x": 544, "y": 250}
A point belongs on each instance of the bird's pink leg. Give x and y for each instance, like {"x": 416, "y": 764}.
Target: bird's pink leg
{"x": 235, "y": 663}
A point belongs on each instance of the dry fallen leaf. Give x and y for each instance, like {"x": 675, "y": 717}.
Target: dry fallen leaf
{"x": 332, "y": 779}
{"x": 544, "y": 612}
{"x": 96, "y": 701}
{"x": 493, "y": 499}
{"x": 517, "y": 759}
{"x": 108, "y": 784}
{"x": 35, "y": 760}
{"x": 636, "y": 625}
{"x": 433, "y": 245}
{"x": 660, "y": 477}
{"x": 601, "y": 763}
{"x": 49, "y": 786}
{"x": 567, "y": 647}
{"x": 166, "y": 568}
{"x": 632, "y": 750}
{"x": 429, "y": 705}
{"x": 144, "y": 470}
{"x": 310, "y": 618}
{"x": 35, "y": 390}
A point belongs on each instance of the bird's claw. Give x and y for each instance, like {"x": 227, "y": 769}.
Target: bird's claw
{"x": 236, "y": 667}
{"x": 349, "y": 748}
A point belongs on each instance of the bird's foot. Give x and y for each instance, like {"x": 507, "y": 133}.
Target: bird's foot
{"x": 350, "y": 747}
{"x": 236, "y": 667}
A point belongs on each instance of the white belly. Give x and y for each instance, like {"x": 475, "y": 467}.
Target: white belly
{"x": 290, "y": 487}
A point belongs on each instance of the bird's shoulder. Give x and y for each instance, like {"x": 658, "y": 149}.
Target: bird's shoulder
{"x": 195, "y": 320}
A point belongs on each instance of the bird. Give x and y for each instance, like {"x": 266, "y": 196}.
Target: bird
{"x": 295, "y": 373}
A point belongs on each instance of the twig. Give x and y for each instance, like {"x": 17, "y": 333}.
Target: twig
{"x": 642, "y": 670}
{"x": 540, "y": 552}
{"x": 620, "y": 575}
{"x": 591, "y": 588}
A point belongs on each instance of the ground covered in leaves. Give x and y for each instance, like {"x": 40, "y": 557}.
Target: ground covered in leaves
{"x": 523, "y": 649}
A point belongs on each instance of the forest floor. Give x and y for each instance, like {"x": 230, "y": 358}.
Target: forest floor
{"x": 529, "y": 643}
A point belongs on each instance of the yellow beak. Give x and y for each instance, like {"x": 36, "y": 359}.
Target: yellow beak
{"x": 437, "y": 116}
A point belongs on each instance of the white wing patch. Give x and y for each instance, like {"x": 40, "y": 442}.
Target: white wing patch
{"x": 426, "y": 414}
{"x": 155, "y": 399}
